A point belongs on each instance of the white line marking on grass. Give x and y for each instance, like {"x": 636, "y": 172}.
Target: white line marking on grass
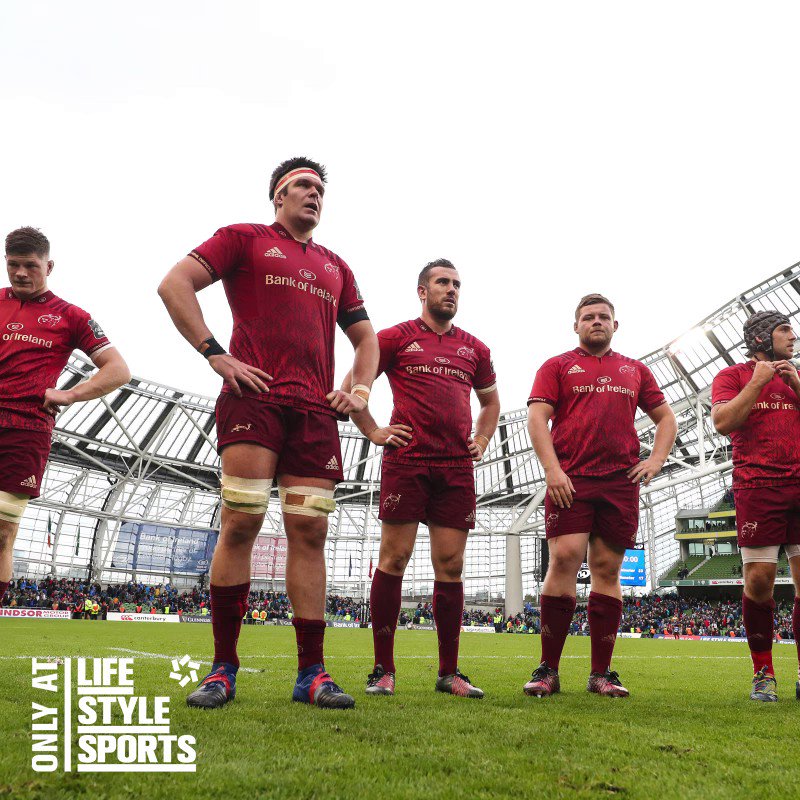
{"x": 145, "y": 654}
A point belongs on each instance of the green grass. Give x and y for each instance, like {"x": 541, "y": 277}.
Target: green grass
{"x": 688, "y": 730}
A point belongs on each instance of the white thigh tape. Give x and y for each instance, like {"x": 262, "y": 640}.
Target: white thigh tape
{"x": 308, "y": 501}
{"x": 248, "y": 495}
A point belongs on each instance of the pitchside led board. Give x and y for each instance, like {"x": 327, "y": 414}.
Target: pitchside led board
{"x": 633, "y": 572}
{"x": 159, "y": 548}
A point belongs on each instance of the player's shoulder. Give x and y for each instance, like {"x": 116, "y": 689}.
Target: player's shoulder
{"x": 631, "y": 362}
{"x": 469, "y": 340}
{"x": 402, "y": 330}
{"x": 334, "y": 258}
{"x": 249, "y": 230}
{"x": 60, "y": 306}
{"x": 733, "y": 370}
{"x": 566, "y": 359}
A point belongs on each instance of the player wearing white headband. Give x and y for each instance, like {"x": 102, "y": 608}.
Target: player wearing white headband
{"x": 276, "y": 415}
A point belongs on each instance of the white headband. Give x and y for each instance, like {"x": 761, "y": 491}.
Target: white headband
{"x": 293, "y": 175}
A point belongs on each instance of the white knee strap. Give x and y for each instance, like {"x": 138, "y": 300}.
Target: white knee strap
{"x": 12, "y": 506}
{"x": 248, "y": 495}
{"x": 760, "y": 555}
{"x": 308, "y": 501}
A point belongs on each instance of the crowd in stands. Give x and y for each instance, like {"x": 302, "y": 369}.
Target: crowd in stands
{"x": 649, "y": 615}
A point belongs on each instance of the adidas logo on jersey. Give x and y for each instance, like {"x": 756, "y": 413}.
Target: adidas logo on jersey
{"x": 414, "y": 348}
{"x": 332, "y": 464}
{"x": 575, "y": 369}
{"x": 274, "y": 252}
{"x": 29, "y": 482}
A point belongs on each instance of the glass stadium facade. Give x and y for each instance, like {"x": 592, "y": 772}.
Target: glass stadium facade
{"x": 131, "y": 489}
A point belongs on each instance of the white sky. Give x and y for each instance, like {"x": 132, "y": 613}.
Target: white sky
{"x": 648, "y": 151}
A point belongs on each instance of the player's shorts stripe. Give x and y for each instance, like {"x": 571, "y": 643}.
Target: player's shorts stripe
{"x": 203, "y": 263}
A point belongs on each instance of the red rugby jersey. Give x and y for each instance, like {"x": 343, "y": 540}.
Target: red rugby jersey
{"x": 286, "y": 298}
{"x": 594, "y": 401}
{"x": 431, "y": 376}
{"x": 36, "y": 339}
{"x": 766, "y": 449}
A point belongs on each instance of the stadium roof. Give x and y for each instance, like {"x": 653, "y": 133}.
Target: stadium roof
{"x": 147, "y": 453}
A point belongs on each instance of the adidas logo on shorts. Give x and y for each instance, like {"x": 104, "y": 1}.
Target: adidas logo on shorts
{"x": 274, "y": 252}
{"x": 332, "y": 464}
{"x": 575, "y": 369}
{"x": 414, "y": 348}
{"x": 29, "y": 482}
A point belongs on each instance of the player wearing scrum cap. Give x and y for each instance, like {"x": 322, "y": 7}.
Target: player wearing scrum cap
{"x": 276, "y": 415}
{"x": 427, "y": 471}
{"x": 38, "y": 332}
{"x": 758, "y": 405}
{"x": 592, "y": 469}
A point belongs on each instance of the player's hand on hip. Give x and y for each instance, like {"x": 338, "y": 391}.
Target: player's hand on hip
{"x": 559, "y": 487}
{"x": 346, "y": 403}
{"x": 763, "y": 373}
{"x": 391, "y": 435}
{"x": 475, "y": 450}
{"x": 55, "y": 400}
{"x": 644, "y": 471}
{"x": 239, "y": 375}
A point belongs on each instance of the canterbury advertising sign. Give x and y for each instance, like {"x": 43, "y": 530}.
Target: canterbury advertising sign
{"x": 116, "y": 616}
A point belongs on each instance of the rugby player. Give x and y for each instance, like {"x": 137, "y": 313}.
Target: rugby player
{"x": 427, "y": 471}
{"x": 276, "y": 415}
{"x": 592, "y": 470}
{"x": 757, "y": 405}
{"x": 39, "y": 332}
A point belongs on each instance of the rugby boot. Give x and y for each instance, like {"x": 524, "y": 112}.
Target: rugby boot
{"x": 380, "y": 682}
{"x": 216, "y": 689}
{"x": 764, "y": 686}
{"x": 315, "y": 687}
{"x": 607, "y": 684}
{"x": 544, "y": 682}
{"x": 458, "y": 684}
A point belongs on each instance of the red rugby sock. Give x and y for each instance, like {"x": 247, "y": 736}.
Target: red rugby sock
{"x": 310, "y": 634}
{"x": 385, "y": 598}
{"x": 760, "y": 629}
{"x": 3, "y": 589}
{"x": 448, "y": 608}
{"x": 796, "y": 627}
{"x": 228, "y": 606}
{"x": 605, "y": 614}
{"x": 556, "y": 617}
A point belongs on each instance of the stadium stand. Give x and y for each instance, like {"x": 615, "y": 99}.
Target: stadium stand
{"x": 724, "y": 566}
{"x": 682, "y": 566}
{"x": 131, "y": 490}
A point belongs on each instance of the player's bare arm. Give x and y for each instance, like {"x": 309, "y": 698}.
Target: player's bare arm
{"x": 178, "y": 291}
{"x": 485, "y": 424}
{"x": 112, "y": 372}
{"x": 729, "y": 416}
{"x": 666, "y": 431}
{"x": 365, "y": 367}
{"x": 391, "y": 435}
{"x": 559, "y": 486}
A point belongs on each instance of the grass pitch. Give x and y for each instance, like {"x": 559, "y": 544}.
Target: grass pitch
{"x": 688, "y": 730}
